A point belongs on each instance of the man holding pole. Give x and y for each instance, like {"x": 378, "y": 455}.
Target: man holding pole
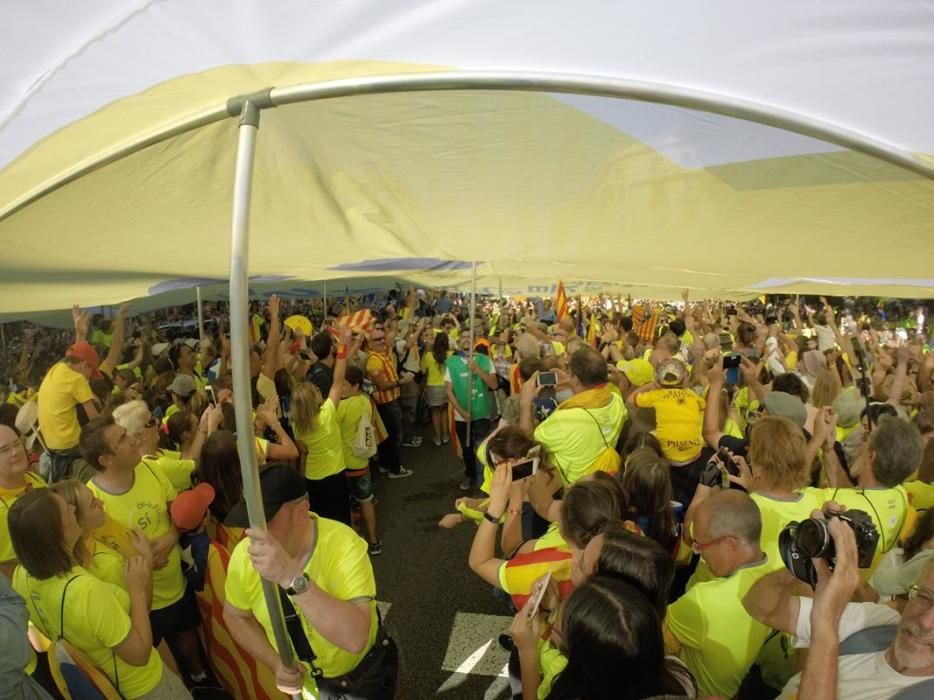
{"x": 328, "y": 593}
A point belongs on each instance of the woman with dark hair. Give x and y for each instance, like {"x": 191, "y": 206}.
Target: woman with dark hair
{"x": 433, "y": 366}
{"x": 588, "y": 506}
{"x": 647, "y": 482}
{"x": 611, "y": 635}
{"x": 220, "y": 467}
{"x": 110, "y": 625}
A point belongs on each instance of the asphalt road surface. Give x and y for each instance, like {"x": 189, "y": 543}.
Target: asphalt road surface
{"x": 444, "y": 618}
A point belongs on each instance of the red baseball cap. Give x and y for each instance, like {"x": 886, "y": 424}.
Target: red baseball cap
{"x": 85, "y": 351}
{"x": 190, "y": 507}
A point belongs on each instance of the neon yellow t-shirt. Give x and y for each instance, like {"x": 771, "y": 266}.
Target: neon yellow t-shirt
{"x": 349, "y": 413}
{"x": 177, "y": 470}
{"x": 7, "y": 499}
{"x": 169, "y": 412}
{"x": 777, "y": 513}
{"x": 106, "y": 563}
{"x": 146, "y": 506}
{"x": 339, "y": 565}
{"x": 62, "y": 389}
{"x": 551, "y": 662}
{"x": 551, "y": 538}
{"x": 323, "y": 444}
{"x": 679, "y": 419}
{"x": 888, "y": 509}
{"x": 719, "y": 639}
{"x": 920, "y": 495}
{"x": 575, "y": 437}
{"x": 433, "y": 371}
{"x": 96, "y": 621}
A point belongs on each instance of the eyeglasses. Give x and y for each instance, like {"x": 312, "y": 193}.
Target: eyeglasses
{"x": 699, "y": 547}
{"x": 923, "y": 597}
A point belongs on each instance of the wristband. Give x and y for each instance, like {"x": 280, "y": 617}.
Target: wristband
{"x": 341, "y": 354}
{"x": 491, "y": 519}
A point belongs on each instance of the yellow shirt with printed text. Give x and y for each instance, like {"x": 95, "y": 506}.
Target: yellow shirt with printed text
{"x": 679, "y": 419}
{"x": 146, "y": 506}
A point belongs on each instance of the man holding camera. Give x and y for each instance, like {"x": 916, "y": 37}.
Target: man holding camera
{"x": 580, "y": 435}
{"x": 827, "y": 619}
{"x": 707, "y": 627}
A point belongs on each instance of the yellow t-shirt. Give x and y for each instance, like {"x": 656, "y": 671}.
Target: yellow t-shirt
{"x": 349, "y": 413}
{"x": 339, "y": 565}
{"x": 62, "y": 389}
{"x": 7, "y": 499}
{"x": 323, "y": 444}
{"x": 433, "y": 371}
{"x": 719, "y": 639}
{"x": 888, "y": 509}
{"x": 177, "y": 470}
{"x": 106, "y": 563}
{"x": 265, "y": 387}
{"x": 777, "y": 513}
{"x": 96, "y": 621}
{"x": 920, "y": 495}
{"x": 573, "y": 440}
{"x": 146, "y": 506}
{"x": 679, "y": 421}
{"x": 551, "y": 538}
{"x": 169, "y": 412}
{"x": 551, "y": 662}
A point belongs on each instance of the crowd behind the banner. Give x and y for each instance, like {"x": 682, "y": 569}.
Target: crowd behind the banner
{"x": 694, "y": 499}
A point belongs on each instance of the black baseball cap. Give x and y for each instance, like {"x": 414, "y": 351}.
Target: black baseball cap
{"x": 280, "y": 484}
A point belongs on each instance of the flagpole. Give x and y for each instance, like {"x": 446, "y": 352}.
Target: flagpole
{"x": 473, "y": 312}
{"x": 325, "y": 283}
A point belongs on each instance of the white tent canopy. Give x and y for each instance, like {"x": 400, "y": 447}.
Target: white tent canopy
{"x": 615, "y": 195}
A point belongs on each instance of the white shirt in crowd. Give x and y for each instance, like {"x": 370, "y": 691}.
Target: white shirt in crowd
{"x": 859, "y": 676}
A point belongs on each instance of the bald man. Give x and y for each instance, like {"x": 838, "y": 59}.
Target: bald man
{"x": 708, "y": 628}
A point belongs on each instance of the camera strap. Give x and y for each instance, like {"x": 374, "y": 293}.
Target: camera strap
{"x": 300, "y": 642}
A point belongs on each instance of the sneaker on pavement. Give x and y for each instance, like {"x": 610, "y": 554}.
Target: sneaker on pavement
{"x": 411, "y": 442}
{"x": 437, "y": 442}
{"x": 466, "y": 485}
{"x": 446, "y": 439}
{"x": 382, "y": 469}
{"x": 375, "y": 548}
{"x": 401, "y": 474}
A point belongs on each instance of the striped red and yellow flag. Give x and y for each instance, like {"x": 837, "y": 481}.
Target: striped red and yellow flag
{"x": 561, "y": 303}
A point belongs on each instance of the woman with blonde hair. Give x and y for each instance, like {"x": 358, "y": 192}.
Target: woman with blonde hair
{"x": 318, "y": 434}
{"x": 90, "y": 552}
{"x": 108, "y": 623}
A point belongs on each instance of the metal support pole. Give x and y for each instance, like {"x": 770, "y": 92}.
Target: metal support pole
{"x": 200, "y": 317}
{"x": 325, "y": 316}
{"x": 240, "y": 345}
{"x": 473, "y": 311}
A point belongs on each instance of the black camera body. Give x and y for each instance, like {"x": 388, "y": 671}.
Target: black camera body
{"x": 800, "y": 542}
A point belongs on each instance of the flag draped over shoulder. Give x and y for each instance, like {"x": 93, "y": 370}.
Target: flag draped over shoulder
{"x": 561, "y": 303}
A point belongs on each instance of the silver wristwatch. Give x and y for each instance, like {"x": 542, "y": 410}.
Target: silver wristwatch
{"x": 299, "y": 585}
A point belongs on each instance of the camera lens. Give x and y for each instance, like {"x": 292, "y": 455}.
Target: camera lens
{"x": 813, "y": 539}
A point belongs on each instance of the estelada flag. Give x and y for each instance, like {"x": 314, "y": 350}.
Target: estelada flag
{"x": 359, "y": 320}
{"x": 562, "y": 302}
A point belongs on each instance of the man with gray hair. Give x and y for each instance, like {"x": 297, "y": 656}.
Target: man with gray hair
{"x": 895, "y": 661}
{"x": 707, "y": 627}
{"x": 892, "y": 453}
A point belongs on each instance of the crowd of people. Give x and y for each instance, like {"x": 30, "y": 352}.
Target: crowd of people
{"x": 676, "y": 500}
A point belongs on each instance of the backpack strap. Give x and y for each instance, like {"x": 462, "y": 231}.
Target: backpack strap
{"x": 61, "y": 615}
